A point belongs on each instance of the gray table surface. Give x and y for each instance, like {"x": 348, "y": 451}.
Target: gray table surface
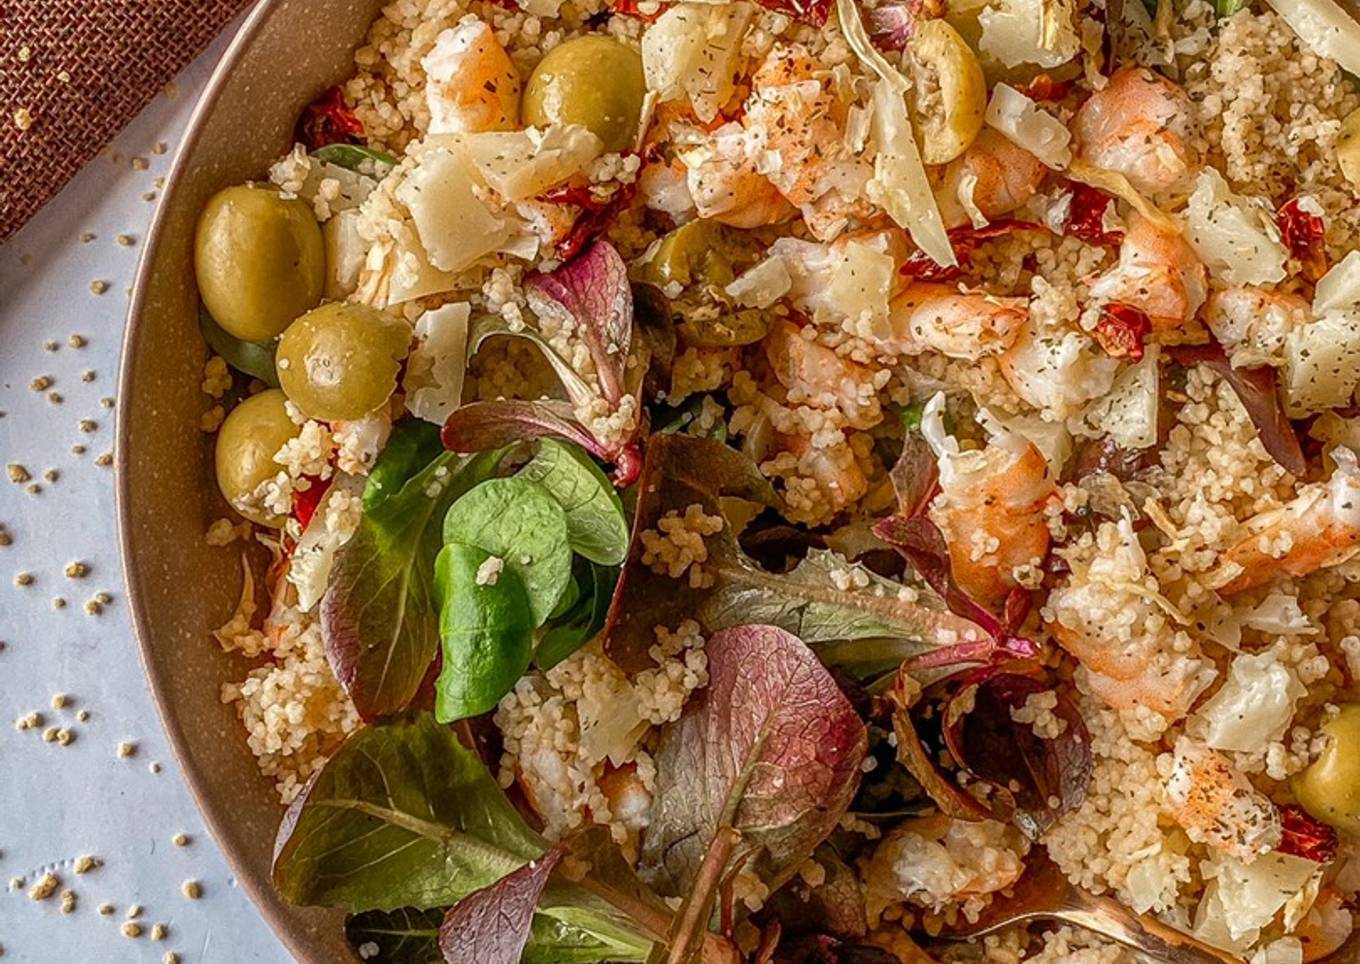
{"x": 58, "y": 801}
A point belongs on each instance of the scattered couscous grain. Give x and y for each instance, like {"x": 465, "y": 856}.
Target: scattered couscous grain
{"x": 45, "y": 887}
{"x": 191, "y": 889}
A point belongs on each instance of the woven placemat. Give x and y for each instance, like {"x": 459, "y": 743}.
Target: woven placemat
{"x": 73, "y": 73}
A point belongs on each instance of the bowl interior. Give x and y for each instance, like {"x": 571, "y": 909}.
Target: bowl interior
{"x": 179, "y": 588}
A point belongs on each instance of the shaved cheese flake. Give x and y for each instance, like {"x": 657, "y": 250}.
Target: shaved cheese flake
{"x": 455, "y": 227}
{"x": 1340, "y": 287}
{"x": 1030, "y": 32}
{"x": 1112, "y": 182}
{"x": 523, "y": 164}
{"x": 1029, "y": 126}
{"x": 1322, "y": 363}
{"x": 1234, "y": 236}
{"x": 435, "y": 368}
{"x": 761, "y": 285}
{"x": 1325, "y": 27}
{"x": 690, "y": 52}
{"x": 1253, "y": 707}
{"x": 1127, "y": 413}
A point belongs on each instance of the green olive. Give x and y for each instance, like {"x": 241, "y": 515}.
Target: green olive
{"x": 259, "y": 259}
{"x": 1329, "y": 788}
{"x": 594, "y": 81}
{"x": 340, "y": 361}
{"x": 1348, "y": 148}
{"x": 246, "y": 445}
{"x": 949, "y": 94}
{"x": 699, "y": 256}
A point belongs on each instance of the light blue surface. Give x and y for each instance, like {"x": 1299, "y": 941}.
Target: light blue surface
{"x": 60, "y": 802}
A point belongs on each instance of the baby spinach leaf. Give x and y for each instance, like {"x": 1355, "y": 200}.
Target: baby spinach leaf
{"x": 567, "y": 633}
{"x": 760, "y": 768}
{"x": 403, "y": 815}
{"x": 683, "y": 470}
{"x": 379, "y": 617}
{"x": 519, "y": 521}
{"x": 355, "y": 157}
{"x": 596, "y": 525}
{"x": 491, "y": 925}
{"x": 413, "y": 445}
{"x": 484, "y": 630}
{"x": 402, "y": 936}
{"x": 254, "y": 358}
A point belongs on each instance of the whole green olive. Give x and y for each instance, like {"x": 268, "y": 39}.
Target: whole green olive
{"x": 698, "y": 256}
{"x": 1329, "y": 787}
{"x": 259, "y": 259}
{"x": 246, "y": 445}
{"x": 594, "y": 81}
{"x": 340, "y": 361}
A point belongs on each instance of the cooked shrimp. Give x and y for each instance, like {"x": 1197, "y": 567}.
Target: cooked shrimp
{"x": 990, "y": 507}
{"x": 957, "y": 323}
{"x": 726, "y": 187}
{"x": 471, "y": 85}
{"x": 1158, "y": 273}
{"x": 1133, "y": 657}
{"x": 936, "y": 861}
{"x": 630, "y": 802}
{"x": 1251, "y": 322}
{"x": 1142, "y": 126}
{"x": 664, "y": 186}
{"x": 994, "y": 175}
{"x": 1320, "y": 527}
{"x": 1216, "y": 804}
{"x": 819, "y": 480}
{"x": 814, "y": 374}
{"x": 1056, "y": 369}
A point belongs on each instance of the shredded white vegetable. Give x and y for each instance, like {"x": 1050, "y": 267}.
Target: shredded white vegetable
{"x": 899, "y": 184}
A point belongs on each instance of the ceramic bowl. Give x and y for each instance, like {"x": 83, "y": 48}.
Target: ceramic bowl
{"x": 179, "y": 589}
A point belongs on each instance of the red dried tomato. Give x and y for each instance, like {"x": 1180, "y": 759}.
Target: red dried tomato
{"x": 1122, "y": 330}
{"x": 1086, "y": 219}
{"x": 306, "y": 500}
{"x": 1305, "y": 837}
{"x": 965, "y": 241}
{"x": 328, "y": 120}
{"x": 1305, "y": 235}
{"x": 630, "y": 8}
{"x": 1044, "y": 87}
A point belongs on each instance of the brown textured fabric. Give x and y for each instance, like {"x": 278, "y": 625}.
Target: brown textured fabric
{"x": 74, "y": 72}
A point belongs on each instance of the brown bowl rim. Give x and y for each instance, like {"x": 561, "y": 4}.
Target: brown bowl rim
{"x": 213, "y": 817}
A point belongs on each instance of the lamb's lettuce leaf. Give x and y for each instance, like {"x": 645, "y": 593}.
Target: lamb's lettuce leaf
{"x": 379, "y": 617}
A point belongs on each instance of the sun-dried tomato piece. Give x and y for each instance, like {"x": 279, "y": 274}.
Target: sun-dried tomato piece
{"x": 1305, "y": 837}
{"x": 1086, "y": 219}
{"x": 328, "y": 120}
{"x": 306, "y": 500}
{"x": 633, "y": 8}
{"x": 1044, "y": 87}
{"x": 1305, "y": 235}
{"x": 1122, "y": 330}
{"x": 965, "y": 241}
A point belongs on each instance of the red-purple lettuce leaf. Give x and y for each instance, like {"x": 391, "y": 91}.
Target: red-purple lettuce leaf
{"x": 1035, "y": 780}
{"x": 379, "y": 617}
{"x": 922, "y": 544}
{"x": 913, "y": 754}
{"x": 1258, "y": 390}
{"x": 491, "y": 925}
{"x": 835, "y": 906}
{"x": 890, "y": 26}
{"x": 757, "y": 772}
{"x": 683, "y": 470}
{"x": 591, "y": 295}
{"x": 915, "y": 475}
{"x": 478, "y": 426}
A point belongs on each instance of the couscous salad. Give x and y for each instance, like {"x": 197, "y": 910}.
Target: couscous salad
{"x": 755, "y": 481}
